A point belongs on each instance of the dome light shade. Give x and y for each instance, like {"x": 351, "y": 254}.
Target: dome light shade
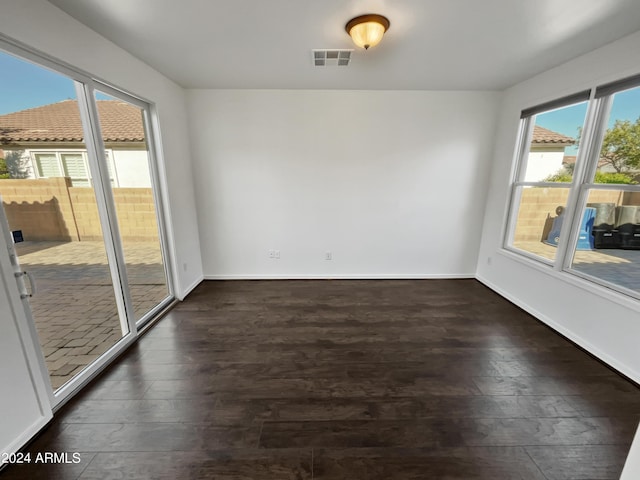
{"x": 367, "y": 30}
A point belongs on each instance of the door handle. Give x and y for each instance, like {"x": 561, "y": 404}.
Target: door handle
{"x": 32, "y": 284}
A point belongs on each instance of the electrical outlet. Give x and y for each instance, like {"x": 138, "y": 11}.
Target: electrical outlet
{"x": 328, "y": 256}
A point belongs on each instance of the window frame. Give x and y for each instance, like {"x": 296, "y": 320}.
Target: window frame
{"x": 108, "y": 156}
{"x": 525, "y": 135}
{"x": 599, "y": 106}
{"x": 86, "y": 85}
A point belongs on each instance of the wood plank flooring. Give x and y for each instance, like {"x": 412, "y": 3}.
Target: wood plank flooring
{"x": 425, "y": 379}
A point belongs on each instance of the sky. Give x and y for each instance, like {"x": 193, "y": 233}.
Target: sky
{"x": 567, "y": 120}
{"x": 626, "y": 106}
{"x": 25, "y": 85}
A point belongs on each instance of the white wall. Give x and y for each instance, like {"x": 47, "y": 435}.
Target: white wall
{"x": 605, "y": 323}
{"x": 631, "y": 469}
{"x": 21, "y": 413}
{"x": 132, "y": 168}
{"x": 543, "y": 163}
{"x": 392, "y": 183}
{"x": 40, "y": 25}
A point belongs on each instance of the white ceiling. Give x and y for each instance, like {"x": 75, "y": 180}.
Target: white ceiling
{"x": 431, "y": 44}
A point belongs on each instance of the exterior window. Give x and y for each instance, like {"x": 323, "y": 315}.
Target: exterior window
{"x": 76, "y": 169}
{"x": 545, "y": 173}
{"x": 579, "y": 211}
{"x": 48, "y": 165}
{"x": 69, "y": 164}
{"x": 610, "y": 196}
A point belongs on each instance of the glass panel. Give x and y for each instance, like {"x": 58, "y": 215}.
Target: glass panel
{"x": 123, "y": 134}
{"x": 540, "y": 217}
{"x": 554, "y": 144}
{"x": 47, "y": 164}
{"x": 620, "y": 153}
{"x": 612, "y": 253}
{"x": 75, "y": 168}
{"x": 75, "y": 308}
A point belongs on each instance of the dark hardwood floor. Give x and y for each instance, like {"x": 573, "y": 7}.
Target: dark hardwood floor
{"x": 355, "y": 380}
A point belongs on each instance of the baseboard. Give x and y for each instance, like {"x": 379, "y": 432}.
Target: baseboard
{"x": 188, "y": 290}
{"x": 354, "y": 276}
{"x": 581, "y": 342}
{"x": 27, "y": 436}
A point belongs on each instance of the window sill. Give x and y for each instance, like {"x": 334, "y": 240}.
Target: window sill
{"x": 574, "y": 279}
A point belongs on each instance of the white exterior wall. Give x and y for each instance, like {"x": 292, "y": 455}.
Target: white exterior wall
{"x": 40, "y": 25}
{"x": 542, "y": 164}
{"x": 392, "y": 183}
{"x": 132, "y": 168}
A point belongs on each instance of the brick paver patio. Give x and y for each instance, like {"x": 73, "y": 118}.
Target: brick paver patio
{"x": 74, "y": 309}
{"x": 621, "y": 267}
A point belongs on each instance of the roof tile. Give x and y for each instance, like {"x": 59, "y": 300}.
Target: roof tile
{"x": 60, "y": 122}
{"x": 544, "y": 135}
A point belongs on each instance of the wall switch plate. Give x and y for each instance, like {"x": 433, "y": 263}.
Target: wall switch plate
{"x": 328, "y": 255}
{"x": 272, "y": 254}
{"x": 277, "y": 254}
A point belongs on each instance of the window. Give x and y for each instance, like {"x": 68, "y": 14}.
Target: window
{"x": 541, "y": 190}
{"x": 584, "y": 217}
{"x": 72, "y": 164}
{"x": 610, "y": 194}
{"x": 48, "y": 165}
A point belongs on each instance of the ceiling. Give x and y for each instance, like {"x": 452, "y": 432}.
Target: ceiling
{"x": 431, "y": 44}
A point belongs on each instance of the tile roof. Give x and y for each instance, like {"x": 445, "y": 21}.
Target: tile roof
{"x": 60, "y": 122}
{"x": 545, "y": 136}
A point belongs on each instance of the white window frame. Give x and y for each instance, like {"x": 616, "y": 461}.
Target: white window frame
{"x": 86, "y": 85}
{"x": 527, "y": 122}
{"x": 59, "y": 153}
{"x": 597, "y": 117}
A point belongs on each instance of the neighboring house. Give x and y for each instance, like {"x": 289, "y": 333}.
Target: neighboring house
{"x": 546, "y": 154}
{"x": 52, "y": 141}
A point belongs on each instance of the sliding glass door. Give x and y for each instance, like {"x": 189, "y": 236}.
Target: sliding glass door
{"x": 124, "y": 130}
{"x": 79, "y": 194}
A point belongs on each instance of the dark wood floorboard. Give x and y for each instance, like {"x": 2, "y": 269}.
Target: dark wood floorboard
{"x": 437, "y": 379}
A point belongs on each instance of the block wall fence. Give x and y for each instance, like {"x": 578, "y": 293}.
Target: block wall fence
{"x": 538, "y": 209}
{"x": 50, "y": 209}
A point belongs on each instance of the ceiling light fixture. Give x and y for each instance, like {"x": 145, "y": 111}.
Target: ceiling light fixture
{"x": 367, "y": 30}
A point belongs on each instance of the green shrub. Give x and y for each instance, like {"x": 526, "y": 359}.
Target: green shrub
{"x": 561, "y": 177}
{"x": 601, "y": 177}
{"x": 614, "y": 177}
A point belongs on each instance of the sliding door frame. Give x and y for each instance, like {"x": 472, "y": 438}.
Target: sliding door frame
{"x": 86, "y": 85}
{"x": 157, "y": 187}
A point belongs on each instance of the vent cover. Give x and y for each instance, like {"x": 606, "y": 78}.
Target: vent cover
{"x": 331, "y": 58}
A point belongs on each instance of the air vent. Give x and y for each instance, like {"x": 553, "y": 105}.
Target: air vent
{"x": 331, "y": 58}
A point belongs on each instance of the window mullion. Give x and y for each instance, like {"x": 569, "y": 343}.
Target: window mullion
{"x": 603, "y": 110}
{"x": 589, "y": 141}
{"x": 106, "y": 204}
{"x": 526, "y": 133}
